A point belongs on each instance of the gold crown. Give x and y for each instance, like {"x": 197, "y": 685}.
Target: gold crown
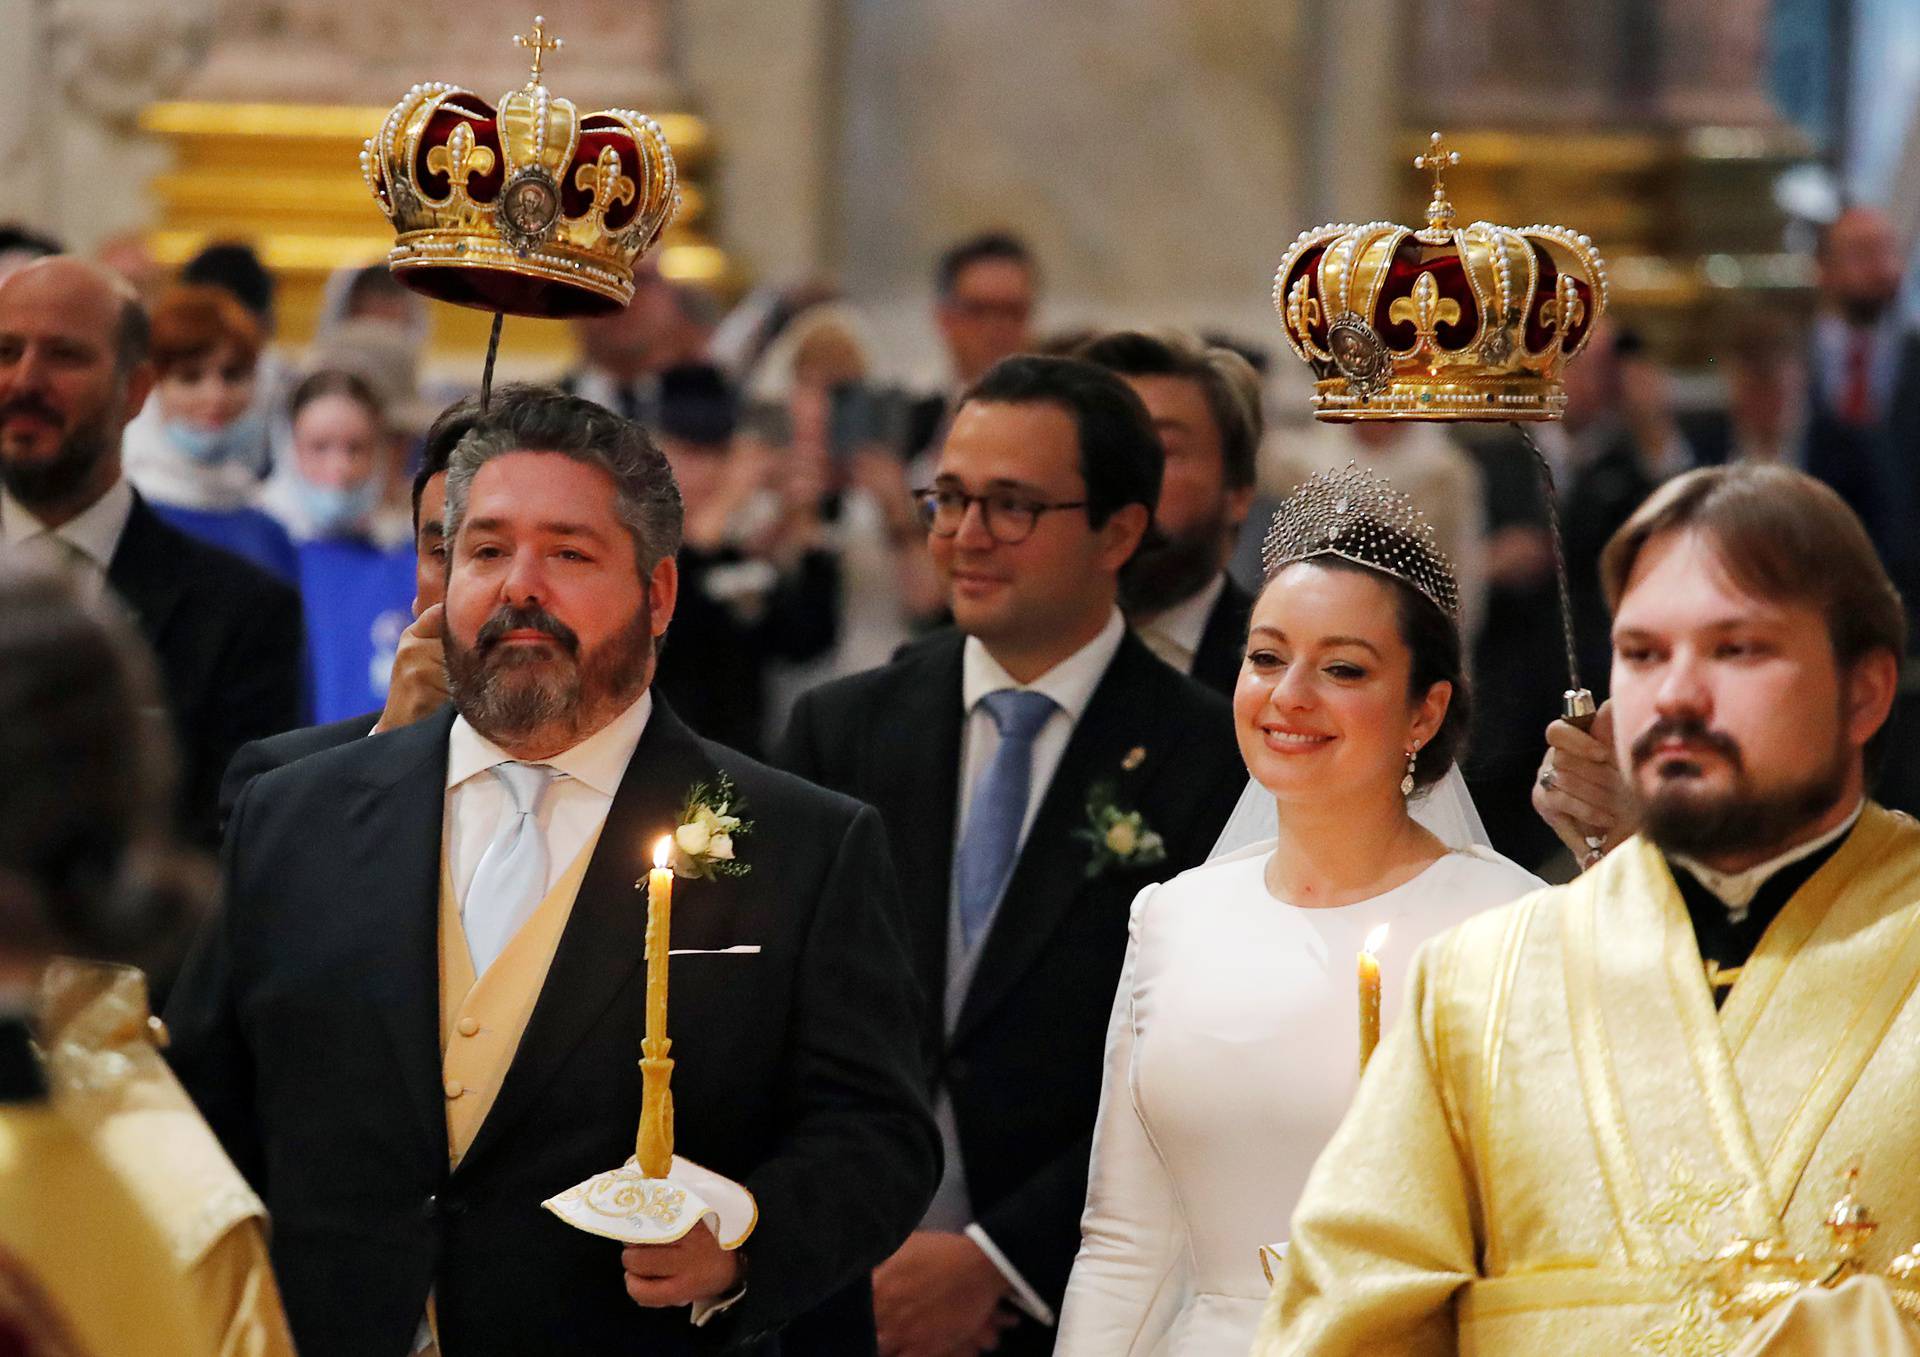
{"x": 1439, "y": 323}
{"x": 532, "y": 208}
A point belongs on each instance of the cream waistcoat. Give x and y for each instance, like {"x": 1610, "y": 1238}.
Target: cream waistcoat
{"x": 482, "y": 1021}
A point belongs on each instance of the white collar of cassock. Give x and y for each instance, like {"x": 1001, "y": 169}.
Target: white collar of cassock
{"x": 1736, "y": 890}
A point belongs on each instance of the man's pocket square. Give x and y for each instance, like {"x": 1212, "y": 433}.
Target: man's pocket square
{"x": 742, "y": 949}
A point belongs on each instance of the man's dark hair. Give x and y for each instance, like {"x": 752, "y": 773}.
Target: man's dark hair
{"x": 524, "y": 418}
{"x": 443, "y": 436}
{"x": 1781, "y": 535}
{"x": 976, "y": 250}
{"x": 1120, "y": 455}
{"x": 698, "y": 405}
{"x": 132, "y": 336}
{"x": 18, "y": 239}
{"x": 234, "y": 268}
{"x": 1231, "y": 385}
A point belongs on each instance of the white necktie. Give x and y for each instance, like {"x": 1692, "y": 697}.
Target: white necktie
{"x": 512, "y": 875}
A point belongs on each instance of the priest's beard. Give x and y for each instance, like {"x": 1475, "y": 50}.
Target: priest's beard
{"x": 1681, "y": 818}
{"x": 512, "y": 694}
{"x": 54, "y": 482}
{"x": 1170, "y": 569}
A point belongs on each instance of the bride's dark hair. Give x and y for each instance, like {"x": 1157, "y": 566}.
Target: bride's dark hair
{"x": 1429, "y": 632}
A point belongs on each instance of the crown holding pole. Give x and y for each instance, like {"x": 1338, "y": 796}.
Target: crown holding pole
{"x": 1445, "y": 322}
{"x": 528, "y": 207}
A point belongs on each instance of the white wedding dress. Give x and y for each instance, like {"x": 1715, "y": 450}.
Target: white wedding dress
{"x": 1232, "y": 1055}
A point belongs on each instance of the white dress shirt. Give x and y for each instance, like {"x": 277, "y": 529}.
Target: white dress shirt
{"x": 80, "y": 549}
{"x": 1175, "y": 634}
{"x": 1070, "y": 684}
{"x": 571, "y": 812}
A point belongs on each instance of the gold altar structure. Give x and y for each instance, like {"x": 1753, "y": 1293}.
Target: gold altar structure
{"x": 285, "y": 178}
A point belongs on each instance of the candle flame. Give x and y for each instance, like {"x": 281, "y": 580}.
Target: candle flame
{"x": 1375, "y": 940}
{"x": 663, "y": 852}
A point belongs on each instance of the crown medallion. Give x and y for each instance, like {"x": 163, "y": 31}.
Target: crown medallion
{"x": 1442, "y": 322}
{"x": 529, "y": 206}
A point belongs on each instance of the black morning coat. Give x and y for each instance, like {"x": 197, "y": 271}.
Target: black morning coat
{"x": 307, "y": 1027}
{"x": 1223, "y": 642}
{"x": 229, "y": 641}
{"x": 1023, "y": 1063}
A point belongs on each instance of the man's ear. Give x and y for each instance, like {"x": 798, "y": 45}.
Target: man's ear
{"x": 663, "y": 591}
{"x": 1239, "y": 505}
{"x": 137, "y": 386}
{"x": 1871, "y": 685}
{"x": 1122, "y": 533}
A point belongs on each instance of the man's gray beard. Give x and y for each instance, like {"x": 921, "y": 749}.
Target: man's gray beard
{"x": 1744, "y": 821}
{"x": 506, "y": 697}
{"x": 54, "y": 482}
{"x": 1171, "y": 570}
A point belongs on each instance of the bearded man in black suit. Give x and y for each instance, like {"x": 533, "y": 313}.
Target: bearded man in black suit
{"x": 74, "y": 369}
{"x": 1205, "y": 404}
{"x": 1036, "y": 767}
{"x": 420, "y": 1015}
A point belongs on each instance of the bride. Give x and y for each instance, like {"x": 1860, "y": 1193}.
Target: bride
{"x": 1233, "y": 1050}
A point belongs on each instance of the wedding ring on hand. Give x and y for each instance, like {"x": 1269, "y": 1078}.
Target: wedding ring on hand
{"x": 1546, "y": 779}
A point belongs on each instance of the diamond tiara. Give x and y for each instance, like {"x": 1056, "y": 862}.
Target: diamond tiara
{"x": 1360, "y": 517}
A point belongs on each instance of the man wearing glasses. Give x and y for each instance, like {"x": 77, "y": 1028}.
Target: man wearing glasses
{"x": 984, "y": 289}
{"x": 1001, "y": 754}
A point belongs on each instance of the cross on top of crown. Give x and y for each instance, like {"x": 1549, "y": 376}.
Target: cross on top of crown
{"x": 539, "y": 44}
{"x": 1437, "y": 162}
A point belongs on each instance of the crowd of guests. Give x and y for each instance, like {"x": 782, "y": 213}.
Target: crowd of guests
{"x": 997, "y": 614}
{"x": 798, "y": 458}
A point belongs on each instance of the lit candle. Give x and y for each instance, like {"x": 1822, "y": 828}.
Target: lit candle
{"x": 1370, "y": 993}
{"x": 654, "y": 1146}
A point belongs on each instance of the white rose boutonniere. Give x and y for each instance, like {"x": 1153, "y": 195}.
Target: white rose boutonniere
{"x": 1120, "y": 838}
{"x": 710, "y": 821}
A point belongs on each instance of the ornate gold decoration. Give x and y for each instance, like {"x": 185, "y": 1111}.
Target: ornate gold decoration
{"x": 625, "y": 1195}
{"x": 539, "y": 44}
{"x": 1438, "y": 161}
{"x": 1749, "y": 1277}
{"x": 1690, "y": 1205}
{"x": 1694, "y": 1333}
{"x": 1443, "y": 322}
{"x": 530, "y": 207}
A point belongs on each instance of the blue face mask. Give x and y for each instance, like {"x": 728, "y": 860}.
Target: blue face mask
{"x": 333, "y": 512}
{"x": 244, "y": 441}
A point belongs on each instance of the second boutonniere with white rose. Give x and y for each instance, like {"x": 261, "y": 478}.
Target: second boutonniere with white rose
{"x": 711, "y": 821}
{"x": 1120, "y": 837}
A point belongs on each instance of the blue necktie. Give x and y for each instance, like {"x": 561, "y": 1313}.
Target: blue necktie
{"x": 999, "y": 807}
{"x": 512, "y": 876}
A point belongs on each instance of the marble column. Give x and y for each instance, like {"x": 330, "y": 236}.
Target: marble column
{"x": 76, "y": 74}
{"x": 1158, "y": 157}
{"x": 763, "y": 75}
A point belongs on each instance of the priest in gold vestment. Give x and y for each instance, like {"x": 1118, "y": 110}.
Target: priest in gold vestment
{"x": 1621, "y": 1111}
{"x": 85, "y": 1269}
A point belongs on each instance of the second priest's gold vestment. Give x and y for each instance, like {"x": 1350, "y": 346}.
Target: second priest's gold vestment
{"x": 1563, "y": 1129}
